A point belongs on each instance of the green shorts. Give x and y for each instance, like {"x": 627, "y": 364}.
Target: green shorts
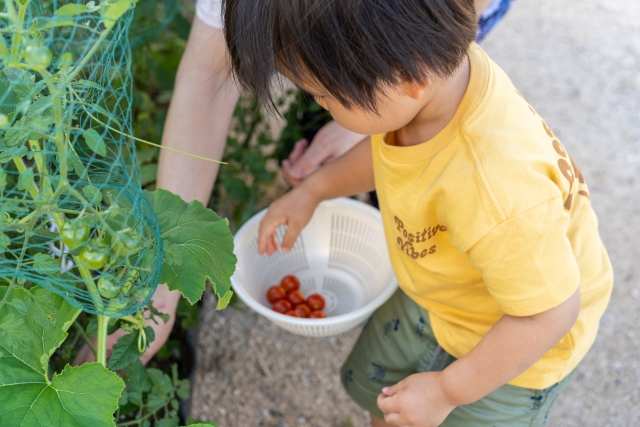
{"x": 398, "y": 342}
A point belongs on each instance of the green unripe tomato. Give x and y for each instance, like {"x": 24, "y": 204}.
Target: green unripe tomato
{"x": 94, "y": 257}
{"x": 108, "y": 287}
{"x": 116, "y": 304}
{"x": 141, "y": 293}
{"x": 74, "y": 235}
{"x": 37, "y": 55}
{"x": 126, "y": 244}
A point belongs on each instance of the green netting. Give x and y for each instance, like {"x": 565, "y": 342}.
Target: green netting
{"x": 73, "y": 218}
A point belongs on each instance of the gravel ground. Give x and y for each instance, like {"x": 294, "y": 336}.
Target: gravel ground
{"x": 578, "y": 64}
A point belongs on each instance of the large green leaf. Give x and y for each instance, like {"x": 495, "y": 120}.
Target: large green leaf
{"x": 201, "y": 247}
{"x": 76, "y": 397}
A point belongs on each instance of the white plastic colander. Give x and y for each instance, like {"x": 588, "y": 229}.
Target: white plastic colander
{"x": 341, "y": 254}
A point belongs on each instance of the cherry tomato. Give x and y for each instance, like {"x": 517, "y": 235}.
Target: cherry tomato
{"x": 290, "y": 283}
{"x": 108, "y": 287}
{"x": 303, "y": 310}
{"x": 295, "y": 297}
{"x": 275, "y": 293}
{"x": 282, "y": 306}
{"x": 315, "y": 301}
{"x": 126, "y": 244}
{"x": 292, "y": 313}
{"x": 117, "y": 304}
{"x": 74, "y": 235}
{"x": 317, "y": 314}
{"x": 38, "y": 55}
{"x": 94, "y": 257}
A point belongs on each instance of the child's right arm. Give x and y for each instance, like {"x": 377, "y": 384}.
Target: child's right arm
{"x": 350, "y": 174}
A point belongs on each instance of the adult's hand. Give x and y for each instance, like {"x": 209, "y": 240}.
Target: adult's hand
{"x": 331, "y": 142}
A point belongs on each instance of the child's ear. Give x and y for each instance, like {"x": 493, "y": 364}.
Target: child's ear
{"x": 414, "y": 90}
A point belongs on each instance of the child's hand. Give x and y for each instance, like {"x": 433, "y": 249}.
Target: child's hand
{"x": 416, "y": 401}
{"x": 294, "y": 210}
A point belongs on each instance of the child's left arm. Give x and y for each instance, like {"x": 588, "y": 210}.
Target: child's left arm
{"x": 509, "y": 348}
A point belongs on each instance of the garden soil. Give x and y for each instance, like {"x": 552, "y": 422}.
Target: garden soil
{"x": 578, "y": 64}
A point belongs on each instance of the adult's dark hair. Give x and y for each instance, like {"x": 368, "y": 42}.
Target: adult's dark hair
{"x": 353, "y": 48}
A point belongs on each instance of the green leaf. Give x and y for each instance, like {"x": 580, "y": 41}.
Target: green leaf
{"x": 8, "y": 154}
{"x": 23, "y": 84}
{"x": 42, "y": 106}
{"x": 27, "y": 398}
{"x": 203, "y": 239}
{"x": 43, "y": 25}
{"x": 75, "y": 162}
{"x": 112, "y": 12}
{"x": 93, "y": 194}
{"x": 17, "y": 134}
{"x": 43, "y": 310}
{"x": 95, "y": 142}
{"x": 10, "y": 330}
{"x": 4, "y": 242}
{"x": 125, "y": 352}
{"x": 81, "y": 396}
{"x": 148, "y": 174}
{"x": 161, "y": 382}
{"x": 25, "y": 182}
{"x": 39, "y": 126}
{"x": 45, "y": 264}
{"x": 105, "y": 113}
{"x": 3, "y": 179}
{"x": 169, "y": 422}
{"x": 224, "y": 300}
{"x": 192, "y": 422}
{"x": 71, "y": 10}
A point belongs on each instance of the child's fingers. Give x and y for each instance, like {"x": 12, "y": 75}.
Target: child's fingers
{"x": 388, "y": 404}
{"x": 290, "y": 236}
{"x": 390, "y": 391}
{"x": 267, "y": 235}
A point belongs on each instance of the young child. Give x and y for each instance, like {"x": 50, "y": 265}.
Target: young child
{"x": 487, "y": 218}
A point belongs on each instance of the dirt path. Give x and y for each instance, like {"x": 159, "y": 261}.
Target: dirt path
{"x": 578, "y": 64}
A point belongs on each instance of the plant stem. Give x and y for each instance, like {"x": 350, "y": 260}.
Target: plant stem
{"x": 101, "y": 354}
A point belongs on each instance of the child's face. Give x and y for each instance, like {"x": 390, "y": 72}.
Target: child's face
{"x": 397, "y": 106}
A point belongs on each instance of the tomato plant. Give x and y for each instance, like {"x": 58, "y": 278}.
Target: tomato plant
{"x": 77, "y": 233}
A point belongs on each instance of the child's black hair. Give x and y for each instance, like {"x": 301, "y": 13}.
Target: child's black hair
{"x": 352, "y": 48}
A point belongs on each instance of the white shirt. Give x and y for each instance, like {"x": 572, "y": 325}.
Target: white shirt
{"x": 210, "y": 12}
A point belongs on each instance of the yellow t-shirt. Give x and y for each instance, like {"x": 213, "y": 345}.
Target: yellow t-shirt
{"x": 492, "y": 216}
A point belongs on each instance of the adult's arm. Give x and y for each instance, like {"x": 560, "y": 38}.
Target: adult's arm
{"x": 198, "y": 121}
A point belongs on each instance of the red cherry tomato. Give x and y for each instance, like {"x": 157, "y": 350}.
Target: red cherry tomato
{"x": 275, "y": 293}
{"x": 315, "y": 301}
{"x": 292, "y": 313}
{"x": 303, "y": 310}
{"x": 317, "y": 314}
{"x": 290, "y": 283}
{"x": 282, "y": 306}
{"x": 295, "y": 297}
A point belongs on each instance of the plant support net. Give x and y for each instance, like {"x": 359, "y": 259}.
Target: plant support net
{"x": 73, "y": 218}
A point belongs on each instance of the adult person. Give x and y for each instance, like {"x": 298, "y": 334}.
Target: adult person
{"x": 198, "y": 120}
